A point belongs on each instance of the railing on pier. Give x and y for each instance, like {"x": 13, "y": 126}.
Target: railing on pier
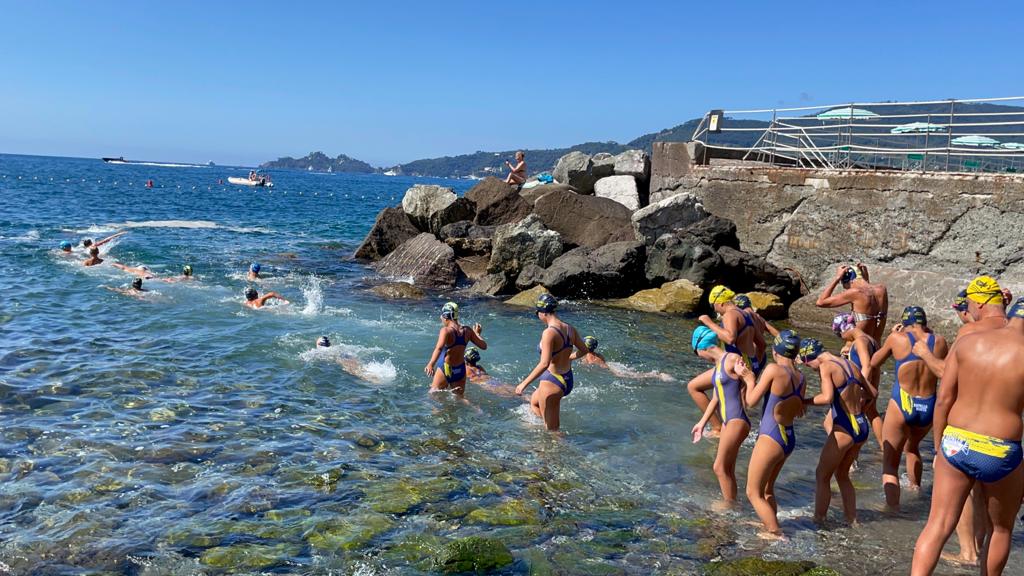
{"x": 977, "y": 135}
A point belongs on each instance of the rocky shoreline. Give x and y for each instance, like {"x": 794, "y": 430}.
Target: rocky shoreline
{"x": 591, "y": 234}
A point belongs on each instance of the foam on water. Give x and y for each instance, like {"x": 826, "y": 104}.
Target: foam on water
{"x": 185, "y": 224}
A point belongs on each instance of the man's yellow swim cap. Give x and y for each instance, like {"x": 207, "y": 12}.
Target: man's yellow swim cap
{"x": 984, "y": 289}
{"x": 720, "y": 295}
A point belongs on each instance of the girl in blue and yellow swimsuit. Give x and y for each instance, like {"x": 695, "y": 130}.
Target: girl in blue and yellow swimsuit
{"x": 447, "y": 366}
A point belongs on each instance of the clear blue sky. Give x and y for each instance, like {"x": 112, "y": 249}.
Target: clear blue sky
{"x": 389, "y": 82}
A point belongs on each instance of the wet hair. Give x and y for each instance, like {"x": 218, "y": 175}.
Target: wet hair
{"x": 137, "y": 283}
{"x": 251, "y": 294}
{"x": 87, "y": 242}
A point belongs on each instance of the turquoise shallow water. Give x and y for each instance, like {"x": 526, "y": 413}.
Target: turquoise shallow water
{"x": 182, "y": 433}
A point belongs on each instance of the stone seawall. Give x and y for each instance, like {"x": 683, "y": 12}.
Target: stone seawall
{"x": 925, "y": 235}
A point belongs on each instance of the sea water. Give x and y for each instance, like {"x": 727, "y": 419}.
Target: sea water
{"x": 180, "y": 432}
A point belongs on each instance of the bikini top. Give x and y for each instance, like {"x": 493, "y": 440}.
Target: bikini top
{"x": 566, "y": 341}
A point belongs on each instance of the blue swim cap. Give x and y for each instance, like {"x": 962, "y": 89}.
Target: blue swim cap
{"x": 960, "y": 302}
{"x": 591, "y": 342}
{"x": 787, "y": 344}
{"x": 472, "y": 356}
{"x": 851, "y": 274}
{"x": 742, "y": 301}
{"x": 65, "y": 245}
{"x": 703, "y": 338}
{"x": 450, "y": 311}
{"x": 810, "y": 348}
{"x": 545, "y": 303}
{"x": 1017, "y": 310}
{"x": 914, "y": 315}
{"x": 255, "y": 267}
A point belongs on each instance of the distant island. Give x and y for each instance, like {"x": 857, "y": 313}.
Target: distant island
{"x": 481, "y": 164}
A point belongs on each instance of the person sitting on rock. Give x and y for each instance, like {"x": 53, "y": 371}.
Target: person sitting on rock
{"x": 517, "y": 173}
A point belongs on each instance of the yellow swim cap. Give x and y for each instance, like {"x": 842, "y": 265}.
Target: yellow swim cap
{"x": 984, "y": 289}
{"x": 720, "y": 295}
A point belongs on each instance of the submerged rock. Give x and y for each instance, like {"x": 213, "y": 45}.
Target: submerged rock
{"x": 427, "y": 260}
{"x": 757, "y": 567}
{"x": 347, "y": 533}
{"x": 398, "y": 496}
{"x": 507, "y": 513}
{"x": 389, "y": 231}
{"x": 248, "y": 556}
{"x": 399, "y": 291}
{"x": 473, "y": 554}
{"x": 422, "y": 200}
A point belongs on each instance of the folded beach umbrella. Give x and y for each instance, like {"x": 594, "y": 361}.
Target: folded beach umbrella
{"x": 847, "y": 113}
{"x": 919, "y": 127}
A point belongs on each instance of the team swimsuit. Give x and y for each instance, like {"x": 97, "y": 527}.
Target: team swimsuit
{"x": 917, "y": 411}
{"x": 453, "y": 374}
{"x": 770, "y": 427}
{"x": 979, "y": 456}
{"x": 856, "y": 426}
{"x": 757, "y": 365}
{"x": 855, "y": 356}
{"x": 730, "y": 405}
{"x": 563, "y": 381}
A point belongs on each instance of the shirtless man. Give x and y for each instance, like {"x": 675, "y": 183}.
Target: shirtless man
{"x": 517, "y": 173}
{"x": 135, "y": 290}
{"x": 978, "y": 427}
{"x": 141, "y": 271}
{"x": 254, "y": 300}
{"x": 869, "y": 302}
{"x": 94, "y": 257}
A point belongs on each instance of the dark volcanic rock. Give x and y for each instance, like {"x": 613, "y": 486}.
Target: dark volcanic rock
{"x": 585, "y": 220}
{"x": 460, "y": 210}
{"x": 465, "y": 229}
{"x": 521, "y": 244}
{"x": 531, "y": 276}
{"x": 713, "y": 231}
{"x": 497, "y": 202}
{"x": 667, "y": 216}
{"x": 390, "y": 230}
{"x": 674, "y": 258}
{"x": 469, "y": 246}
{"x": 602, "y": 165}
{"x": 427, "y": 260}
{"x": 493, "y": 285}
{"x": 611, "y": 271}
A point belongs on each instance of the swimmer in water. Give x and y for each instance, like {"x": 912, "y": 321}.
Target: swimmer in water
{"x": 351, "y": 364}
{"x": 88, "y": 243}
{"x": 591, "y": 355}
{"x": 868, "y": 302}
{"x": 861, "y": 348}
{"x": 908, "y": 418}
{"x": 254, "y": 271}
{"x": 731, "y": 379}
{"x": 843, "y": 389}
{"x": 65, "y": 246}
{"x": 978, "y": 430}
{"x": 593, "y": 358}
{"x": 186, "y": 275}
{"x": 555, "y": 366}
{"x": 135, "y": 289}
{"x": 447, "y": 366}
{"x": 141, "y": 271}
{"x": 782, "y": 386}
{"x": 254, "y": 300}
{"x": 94, "y": 257}
{"x": 474, "y": 371}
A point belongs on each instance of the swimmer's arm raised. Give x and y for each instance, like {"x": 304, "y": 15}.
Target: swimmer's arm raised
{"x": 474, "y": 336}
{"x": 271, "y": 296}
{"x": 945, "y": 398}
{"x": 109, "y": 238}
{"x": 827, "y": 300}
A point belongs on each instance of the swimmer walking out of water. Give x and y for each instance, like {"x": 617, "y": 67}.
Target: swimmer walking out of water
{"x": 447, "y": 366}
{"x": 555, "y": 366}
{"x": 978, "y": 428}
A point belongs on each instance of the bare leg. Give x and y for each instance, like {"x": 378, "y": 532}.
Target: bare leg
{"x": 770, "y": 490}
{"x": 894, "y": 434}
{"x": 1003, "y": 500}
{"x": 550, "y": 404}
{"x": 846, "y": 489}
{"x": 871, "y": 413}
{"x": 948, "y": 495}
{"x": 439, "y": 383}
{"x": 831, "y": 456}
{"x": 913, "y": 451}
{"x": 764, "y": 461}
{"x": 965, "y": 530}
{"x": 733, "y": 434}
{"x": 696, "y": 388}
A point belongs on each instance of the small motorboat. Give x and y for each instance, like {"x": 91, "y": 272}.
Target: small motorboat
{"x": 254, "y": 179}
{"x": 118, "y": 160}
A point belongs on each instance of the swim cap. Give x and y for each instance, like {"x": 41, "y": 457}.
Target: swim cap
{"x": 472, "y": 356}
{"x": 254, "y": 267}
{"x": 591, "y": 342}
{"x": 742, "y": 301}
{"x": 323, "y": 342}
{"x": 914, "y": 315}
{"x": 960, "y": 302}
{"x": 842, "y": 322}
{"x": 720, "y": 295}
{"x": 1017, "y": 310}
{"x": 983, "y": 289}
{"x": 137, "y": 283}
{"x": 703, "y": 338}
{"x": 187, "y": 270}
{"x": 545, "y": 303}
{"x": 65, "y": 245}
{"x": 787, "y": 344}
{"x": 810, "y": 348}
{"x": 251, "y": 294}
{"x": 852, "y": 273}
{"x": 450, "y": 311}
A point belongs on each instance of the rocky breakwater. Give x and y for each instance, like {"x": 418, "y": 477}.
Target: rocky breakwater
{"x": 569, "y": 239}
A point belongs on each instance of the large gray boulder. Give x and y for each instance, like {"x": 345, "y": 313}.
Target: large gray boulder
{"x": 497, "y": 202}
{"x": 602, "y": 165}
{"x": 422, "y": 200}
{"x": 465, "y": 229}
{"x": 389, "y": 231}
{"x": 494, "y": 284}
{"x": 424, "y": 259}
{"x": 575, "y": 169}
{"x": 611, "y": 271}
{"x": 515, "y": 246}
{"x": 666, "y": 216}
{"x": 681, "y": 258}
{"x": 531, "y": 276}
{"x": 622, "y": 189}
{"x": 460, "y": 210}
{"x": 635, "y": 163}
{"x": 531, "y": 195}
{"x": 585, "y": 220}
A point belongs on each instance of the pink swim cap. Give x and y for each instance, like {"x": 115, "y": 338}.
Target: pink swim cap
{"x": 842, "y": 322}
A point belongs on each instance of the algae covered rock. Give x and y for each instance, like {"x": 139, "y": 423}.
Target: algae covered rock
{"x": 473, "y": 554}
{"x": 527, "y": 298}
{"x": 758, "y": 567}
{"x": 248, "y": 556}
{"x": 767, "y": 305}
{"x": 347, "y": 533}
{"x": 398, "y": 291}
{"x": 507, "y": 513}
{"x": 675, "y": 297}
{"x": 397, "y": 497}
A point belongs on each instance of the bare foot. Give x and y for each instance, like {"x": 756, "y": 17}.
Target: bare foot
{"x": 772, "y": 536}
{"x": 713, "y": 433}
{"x": 723, "y": 505}
{"x": 954, "y": 559}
